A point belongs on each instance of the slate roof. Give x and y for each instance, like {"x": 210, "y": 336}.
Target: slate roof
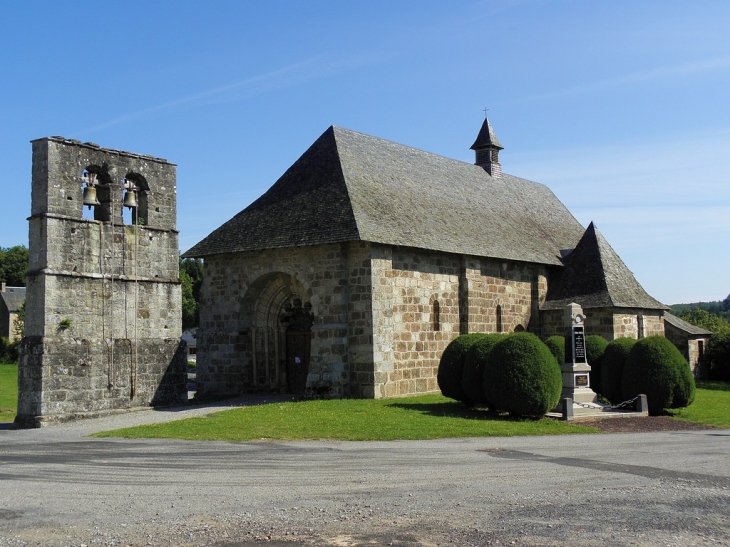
{"x": 595, "y": 277}
{"x": 486, "y": 137}
{"x": 353, "y": 187}
{"x": 689, "y": 328}
{"x": 14, "y": 297}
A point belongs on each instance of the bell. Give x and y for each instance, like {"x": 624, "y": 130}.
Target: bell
{"x": 90, "y": 196}
{"x": 130, "y": 199}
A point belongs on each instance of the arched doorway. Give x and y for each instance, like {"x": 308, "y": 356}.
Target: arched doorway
{"x": 278, "y": 315}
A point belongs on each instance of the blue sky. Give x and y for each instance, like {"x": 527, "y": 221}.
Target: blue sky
{"x": 622, "y": 108}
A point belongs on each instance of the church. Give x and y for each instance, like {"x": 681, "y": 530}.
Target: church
{"x": 354, "y": 271}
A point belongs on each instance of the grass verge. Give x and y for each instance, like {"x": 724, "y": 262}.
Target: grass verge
{"x": 8, "y": 391}
{"x": 423, "y": 417}
{"x": 711, "y": 405}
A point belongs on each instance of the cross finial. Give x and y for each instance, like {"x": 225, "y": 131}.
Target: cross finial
{"x": 485, "y": 111}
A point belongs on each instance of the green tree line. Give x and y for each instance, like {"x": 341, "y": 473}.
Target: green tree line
{"x": 13, "y": 265}
{"x": 718, "y": 308}
{"x": 712, "y": 316}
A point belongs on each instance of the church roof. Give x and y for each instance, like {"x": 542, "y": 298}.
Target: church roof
{"x": 353, "y": 187}
{"x": 595, "y": 277}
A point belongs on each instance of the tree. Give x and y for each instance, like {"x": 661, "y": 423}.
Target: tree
{"x": 14, "y": 265}
{"x": 191, "y": 277}
{"x": 705, "y": 320}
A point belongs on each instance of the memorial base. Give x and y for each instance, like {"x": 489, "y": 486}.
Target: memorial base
{"x": 576, "y": 383}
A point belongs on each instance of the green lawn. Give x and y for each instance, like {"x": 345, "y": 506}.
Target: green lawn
{"x": 8, "y": 391}
{"x": 423, "y": 417}
{"x": 711, "y": 405}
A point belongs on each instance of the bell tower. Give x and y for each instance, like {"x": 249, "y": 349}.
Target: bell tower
{"x": 487, "y": 147}
{"x": 103, "y": 299}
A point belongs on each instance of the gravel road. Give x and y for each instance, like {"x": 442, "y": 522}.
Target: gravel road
{"x": 60, "y": 488}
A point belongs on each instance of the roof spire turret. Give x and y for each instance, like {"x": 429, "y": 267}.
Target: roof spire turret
{"x": 487, "y": 147}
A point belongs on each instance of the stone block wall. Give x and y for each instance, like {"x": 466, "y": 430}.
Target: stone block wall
{"x": 103, "y": 301}
{"x": 610, "y": 323}
{"x": 242, "y": 299}
{"x": 502, "y": 295}
{"x": 415, "y": 316}
{"x": 382, "y": 315}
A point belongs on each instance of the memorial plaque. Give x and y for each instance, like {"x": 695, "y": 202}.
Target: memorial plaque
{"x": 579, "y": 345}
{"x": 581, "y": 380}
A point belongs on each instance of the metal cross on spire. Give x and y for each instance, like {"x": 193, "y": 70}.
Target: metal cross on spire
{"x": 485, "y": 111}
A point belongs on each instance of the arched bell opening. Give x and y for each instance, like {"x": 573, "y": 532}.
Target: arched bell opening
{"x": 134, "y": 201}
{"x": 97, "y": 192}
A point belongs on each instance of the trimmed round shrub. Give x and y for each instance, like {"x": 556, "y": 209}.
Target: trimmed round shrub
{"x": 612, "y": 367}
{"x": 684, "y": 391}
{"x": 451, "y": 366}
{"x": 595, "y": 346}
{"x": 657, "y": 368}
{"x": 472, "y": 378}
{"x": 522, "y": 377}
{"x": 556, "y": 345}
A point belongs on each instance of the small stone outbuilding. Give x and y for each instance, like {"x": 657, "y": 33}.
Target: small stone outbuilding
{"x": 11, "y": 302}
{"x": 367, "y": 257}
{"x": 691, "y": 340}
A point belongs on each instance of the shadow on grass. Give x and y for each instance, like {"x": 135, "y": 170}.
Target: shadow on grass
{"x": 458, "y": 410}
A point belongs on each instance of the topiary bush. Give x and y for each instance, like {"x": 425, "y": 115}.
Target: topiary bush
{"x": 472, "y": 378}
{"x": 451, "y": 367}
{"x": 522, "y": 376}
{"x": 657, "y": 368}
{"x": 612, "y": 367}
{"x": 556, "y": 345}
{"x": 595, "y": 346}
{"x": 684, "y": 391}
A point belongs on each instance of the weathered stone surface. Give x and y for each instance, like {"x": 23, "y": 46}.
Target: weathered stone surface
{"x": 103, "y": 303}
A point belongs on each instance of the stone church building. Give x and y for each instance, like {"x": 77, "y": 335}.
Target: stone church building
{"x": 352, "y": 273}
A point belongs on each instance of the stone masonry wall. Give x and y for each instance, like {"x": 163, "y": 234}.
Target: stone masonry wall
{"x": 409, "y": 333}
{"x": 103, "y": 302}
{"x": 422, "y": 300}
{"x": 610, "y": 323}
{"x": 245, "y": 292}
{"x": 503, "y": 295}
{"x": 382, "y": 315}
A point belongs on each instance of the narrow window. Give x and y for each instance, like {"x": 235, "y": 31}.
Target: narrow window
{"x": 436, "y": 316}
{"x": 499, "y": 318}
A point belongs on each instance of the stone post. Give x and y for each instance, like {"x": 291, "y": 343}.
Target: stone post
{"x": 576, "y": 378}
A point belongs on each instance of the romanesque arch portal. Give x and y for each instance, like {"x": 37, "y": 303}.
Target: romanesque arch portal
{"x": 278, "y": 314}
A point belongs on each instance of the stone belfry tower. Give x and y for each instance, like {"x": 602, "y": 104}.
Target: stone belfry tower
{"x": 103, "y": 302}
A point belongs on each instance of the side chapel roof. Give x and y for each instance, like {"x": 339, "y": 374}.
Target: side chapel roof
{"x": 353, "y": 187}
{"x": 684, "y": 326}
{"x": 594, "y": 276}
{"x": 14, "y": 297}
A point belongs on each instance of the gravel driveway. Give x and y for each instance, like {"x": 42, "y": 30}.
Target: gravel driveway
{"x": 59, "y": 488}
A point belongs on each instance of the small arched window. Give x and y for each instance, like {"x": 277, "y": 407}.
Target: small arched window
{"x": 436, "y": 316}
